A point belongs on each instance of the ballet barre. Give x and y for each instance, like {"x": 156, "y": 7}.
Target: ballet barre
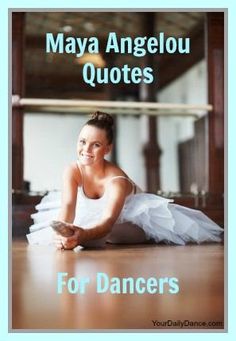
{"x": 114, "y": 107}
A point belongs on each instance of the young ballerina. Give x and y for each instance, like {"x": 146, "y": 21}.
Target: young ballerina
{"x": 101, "y": 204}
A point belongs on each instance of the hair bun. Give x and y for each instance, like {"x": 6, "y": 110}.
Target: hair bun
{"x": 107, "y": 119}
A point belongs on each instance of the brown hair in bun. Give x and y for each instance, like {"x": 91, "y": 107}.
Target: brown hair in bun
{"x": 104, "y": 121}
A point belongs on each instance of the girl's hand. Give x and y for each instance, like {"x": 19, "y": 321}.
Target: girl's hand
{"x": 69, "y": 243}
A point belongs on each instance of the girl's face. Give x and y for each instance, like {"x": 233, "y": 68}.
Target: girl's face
{"x": 92, "y": 145}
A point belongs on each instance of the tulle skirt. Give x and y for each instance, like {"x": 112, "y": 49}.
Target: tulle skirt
{"x": 159, "y": 219}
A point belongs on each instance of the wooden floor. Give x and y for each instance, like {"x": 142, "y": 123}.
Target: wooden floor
{"x": 37, "y": 305}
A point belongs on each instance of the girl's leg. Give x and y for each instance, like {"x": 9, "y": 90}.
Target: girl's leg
{"x": 127, "y": 233}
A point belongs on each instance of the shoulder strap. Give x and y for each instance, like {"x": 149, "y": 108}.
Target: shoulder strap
{"x": 124, "y": 177}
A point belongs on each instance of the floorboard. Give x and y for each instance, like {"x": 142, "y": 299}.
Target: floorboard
{"x": 198, "y": 268}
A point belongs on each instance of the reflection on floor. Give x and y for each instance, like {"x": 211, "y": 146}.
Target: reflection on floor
{"x": 37, "y": 305}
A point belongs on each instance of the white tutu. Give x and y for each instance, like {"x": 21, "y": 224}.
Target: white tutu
{"x": 161, "y": 220}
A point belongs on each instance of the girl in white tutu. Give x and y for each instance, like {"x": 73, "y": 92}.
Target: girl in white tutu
{"x": 101, "y": 204}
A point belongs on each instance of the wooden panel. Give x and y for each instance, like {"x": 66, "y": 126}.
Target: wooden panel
{"x": 215, "y": 38}
{"x": 201, "y": 153}
{"x": 23, "y": 205}
{"x": 215, "y": 41}
{"x": 187, "y": 173}
{"x": 193, "y": 159}
{"x": 17, "y": 88}
{"x": 21, "y": 220}
{"x": 151, "y": 150}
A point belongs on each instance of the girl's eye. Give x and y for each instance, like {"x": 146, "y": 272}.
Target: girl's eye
{"x": 82, "y": 142}
{"x": 97, "y": 145}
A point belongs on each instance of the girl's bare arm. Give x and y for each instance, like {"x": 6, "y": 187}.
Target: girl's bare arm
{"x": 69, "y": 194}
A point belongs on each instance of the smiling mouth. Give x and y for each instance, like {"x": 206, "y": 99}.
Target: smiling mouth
{"x": 86, "y": 156}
